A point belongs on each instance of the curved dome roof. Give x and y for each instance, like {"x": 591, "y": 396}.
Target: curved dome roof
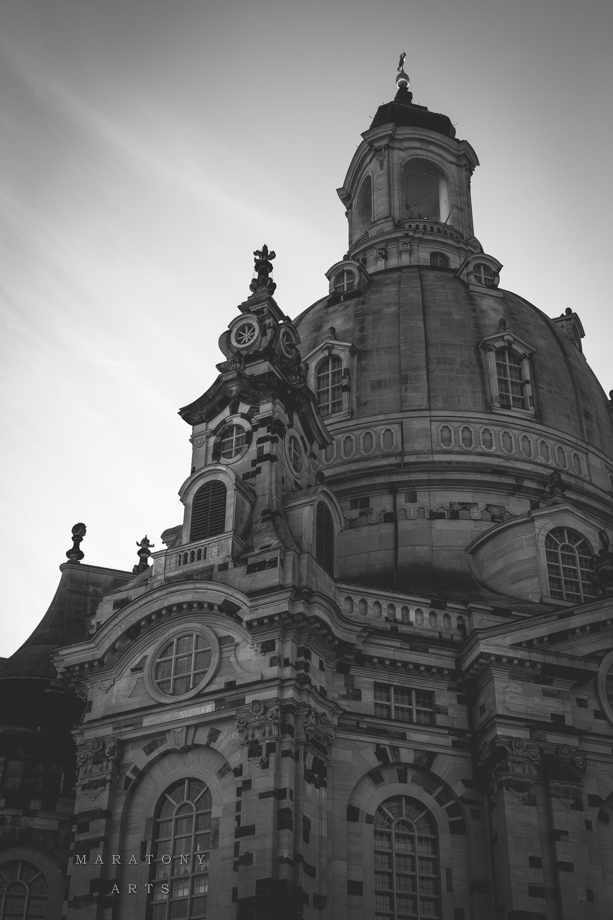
{"x": 417, "y": 330}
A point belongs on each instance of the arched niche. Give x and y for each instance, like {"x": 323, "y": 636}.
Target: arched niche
{"x": 425, "y": 190}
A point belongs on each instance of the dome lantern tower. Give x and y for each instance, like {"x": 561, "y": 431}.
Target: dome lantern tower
{"x": 407, "y": 190}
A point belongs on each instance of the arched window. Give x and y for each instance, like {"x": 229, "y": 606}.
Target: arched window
{"x": 439, "y": 260}
{"x": 329, "y": 385}
{"x": 406, "y": 861}
{"x": 483, "y": 274}
{"x": 233, "y": 439}
{"x": 365, "y": 204}
{"x": 324, "y": 538}
{"x": 24, "y": 893}
{"x": 181, "y": 844}
{"x": 510, "y": 376}
{"x": 425, "y": 190}
{"x": 569, "y": 565}
{"x": 208, "y": 511}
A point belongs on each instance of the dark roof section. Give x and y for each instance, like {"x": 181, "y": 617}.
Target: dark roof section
{"x": 405, "y": 114}
{"x": 79, "y": 592}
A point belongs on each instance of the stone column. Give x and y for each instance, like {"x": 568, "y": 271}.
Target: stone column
{"x": 564, "y": 767}
{"x": 91, "y": 869}
{"x": 261, "y": 818}
{"x": 508, "y": 770}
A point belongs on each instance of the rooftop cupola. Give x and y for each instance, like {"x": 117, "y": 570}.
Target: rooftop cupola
{"x": 407, "y": 190}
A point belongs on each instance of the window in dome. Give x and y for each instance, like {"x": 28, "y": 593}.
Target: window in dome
{"x": 387, "y": 439}
{"x": 348, "y": 446}
{"x": 365, "y": 204}
{"x": 439, "y": 260}
{"x": 577, "y": 465}
{"x": 344, "y": 281}
{"x": 506, "y": 439}
{"x": 526, "y": 446}
{"x": 329, "y": 385}
{"x": 181, "y": 847}
{"x": 544, "y": 451}
{"x": 208, "y": 511}
{"x": 487, "y": 439}
{"x": 569, "y": 565}
{"x": 510, "y": 375}
{"x": 467, "y": 437}
{"x": 561, "y": 458}
{"x": 324, "y": 538}
{"x": 446, "y": 436}
{"x": 484, "y": 274}
{"x": 368, "y": 442}
{"x": 425, "y": 191}
{"x": 406, "y": 863}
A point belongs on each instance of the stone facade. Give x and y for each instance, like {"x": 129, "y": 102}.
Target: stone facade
{"x": 370, "y": 675}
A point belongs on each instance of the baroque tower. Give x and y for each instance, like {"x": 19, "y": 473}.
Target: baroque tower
{"x": 370, "y": 672}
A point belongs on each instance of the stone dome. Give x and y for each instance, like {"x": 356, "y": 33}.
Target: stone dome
{"x": 417, "y": 331}
{"x": 446, "y": 492}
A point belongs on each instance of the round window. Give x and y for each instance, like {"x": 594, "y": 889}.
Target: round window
{"x": 232, "y": 441}
{"x": 183, "y": 664}
{"x": 294, "y": 449}
{"x": 245, "y": 332}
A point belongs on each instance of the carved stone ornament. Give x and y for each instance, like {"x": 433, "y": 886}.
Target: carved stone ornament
{"x": 144, "y": 552}
{"x": 556, "y": 488}
{"x": 319, "y": 731}
{"x": 263, "y": 267}
{"x": 603, "y": 566}
{"x": 261, "y": 721}
{"x": 509, "y": 763}
{"x": 97, "y": 764}
{"x": 75, "y": 553}
{"x": 564, "y": 764}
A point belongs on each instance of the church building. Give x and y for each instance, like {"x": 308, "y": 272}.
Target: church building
{"x": 369, "y": 674}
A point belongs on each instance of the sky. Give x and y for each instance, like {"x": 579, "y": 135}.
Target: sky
{"x": 148, "y": 147}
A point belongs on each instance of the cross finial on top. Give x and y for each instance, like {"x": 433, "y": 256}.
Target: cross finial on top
{"x": 402, "y": 79}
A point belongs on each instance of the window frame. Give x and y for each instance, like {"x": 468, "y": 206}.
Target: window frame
{"x": 490, "y": 346}
{"x": 394, "y": 690}
{"x": 435, "y": 256}
{"x": 174, "y": 820}
{"x": 325, "y": 550}
{"x": 334, "y": 406}
{"x": 583, "y": 596}
{"x": 404, "y": 858}
{"x": 25, "y": 884}
{"x": 151, "y": 681}
{"x": 209, "y": 536}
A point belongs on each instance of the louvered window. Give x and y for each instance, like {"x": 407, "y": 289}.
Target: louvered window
{"x": 569, "y": 565}
{"x": 325, "y": 538}
{"x": 511, "y": 384}
{"x": 208, "y": 511}
{"x": 179, "y": 880}
{"x": 329, "y": 385}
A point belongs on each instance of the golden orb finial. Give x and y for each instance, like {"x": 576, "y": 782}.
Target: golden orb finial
{"x": 402, "y": 78}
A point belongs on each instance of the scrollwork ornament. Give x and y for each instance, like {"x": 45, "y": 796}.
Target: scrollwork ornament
{"x": 260, "y": 722}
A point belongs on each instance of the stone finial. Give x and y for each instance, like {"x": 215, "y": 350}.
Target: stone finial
{"x": 75, "y": 554}
{"x": 603, "y": 566}
{"x": 263, "y": 267}
{"x": 143, "y": 555}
